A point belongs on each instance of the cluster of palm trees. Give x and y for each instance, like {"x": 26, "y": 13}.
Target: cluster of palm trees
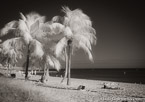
{"x": 48, "y": 42}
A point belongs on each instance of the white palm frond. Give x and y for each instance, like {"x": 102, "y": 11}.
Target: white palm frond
{"x": 57, "y": 28}
{"x": 86, "y": 49}
{"x": 11, "y": 48}
{"x": 53, "y": 62}
{"x": 68, "y": 32}
{"x": 27, "y": 38}
{"x": 53, "y": 31}
{"x": 36, "y": 49}
{"x": 33, "y": 17}
{"x": 23, "y": 27}
{"x": 83, "y": 34}
{"x": 76, "y": 18}
{"x": 58, "y": 19}
{"x": 81, "y": 39}
{"x": 9, "y": 27}
{"x": 34, "y": 27}
{"x": 22, "y": 16}
{"x": 61, "y": 45}
{"x": 78, "y": 22}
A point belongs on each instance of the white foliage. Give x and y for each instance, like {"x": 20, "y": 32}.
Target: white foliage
{"x": 61, "y": 45}
{"x": 53, "y": 62}
{"x": 23, "y": 27}
{"x": 22, "y": 16}
{"x": 37, "y": 49}
{"x": 83, "y": 34}
{"x": 68, "y": 33}
{"x": 12, "y": 49}
{"x": 9, "y": 26}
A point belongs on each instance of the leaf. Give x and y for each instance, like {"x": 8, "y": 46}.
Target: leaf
{"x": 23, "y": 26}
{"x": 9, "y": 27}
{"x": 61, "y": 45}
{"x": 34, "y": 27}
{"x": 36, "y": 49}
{"x": 22, "y": 16}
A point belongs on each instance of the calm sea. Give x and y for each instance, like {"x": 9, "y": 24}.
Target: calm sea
{"x": 129, "y": 75}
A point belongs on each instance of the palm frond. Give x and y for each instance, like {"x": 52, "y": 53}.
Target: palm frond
{"x": 58, "y": 19}
{"x": 23, "y": 27}
{"x": 34, "y": 27}
{"x": 22, "y": 16}
{"x": 81, "y": 39}
{"x": 57, "y": 28}
{"x": 86, "y": 49}
{"x": 27, "y": 38}
{"x": 8, "y": 27}
{"x": 53, "y": 62}
{"x": 61, "y": 45}
{"x": 36, "y": 49}
{"x": 68, "y": 32}
{"x": 33, "y": 17}
{"x": 11, "y": 49}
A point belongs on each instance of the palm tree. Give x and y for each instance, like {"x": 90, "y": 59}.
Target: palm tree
{"x": 78, "y": 33}
{"x": 32, "y": 30}
{"x": 26, "y": 28}
{"x": 11, "y": 51}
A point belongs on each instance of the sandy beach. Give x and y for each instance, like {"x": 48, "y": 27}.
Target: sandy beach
{"x": 20, "y": 90}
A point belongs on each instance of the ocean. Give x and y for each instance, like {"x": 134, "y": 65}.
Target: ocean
{"x": 129, "y": 75}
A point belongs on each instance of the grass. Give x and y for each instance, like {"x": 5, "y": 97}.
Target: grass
{"x": 12, "y": 90}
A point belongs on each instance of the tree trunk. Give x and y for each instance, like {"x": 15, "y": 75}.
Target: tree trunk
{"x": 27, "y": 63}
{"x": 69, "y": 65}
{"x": 45, "y": 75}
{"x": 8, "y": 67}
{"x": 66, "y": 65}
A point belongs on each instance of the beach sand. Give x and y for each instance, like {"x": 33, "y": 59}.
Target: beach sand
{"x": 20, "y": 90}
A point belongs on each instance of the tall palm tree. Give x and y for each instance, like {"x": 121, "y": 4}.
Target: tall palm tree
{"x": 26, "y": 28}
{"x": 78, "y": 33}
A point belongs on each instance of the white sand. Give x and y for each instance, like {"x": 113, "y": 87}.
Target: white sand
{"x": 54, "y": 91}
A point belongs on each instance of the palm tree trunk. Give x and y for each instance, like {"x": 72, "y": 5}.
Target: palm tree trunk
{"x": 69, "y": 64}
{"x": 8, "y": 63}
{"x": 27, "y": 63}
{"x": 45, "y": 75}
{"x": 66, "y": 65}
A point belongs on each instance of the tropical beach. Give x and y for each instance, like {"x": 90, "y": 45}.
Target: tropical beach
{"x": 72, "y": 51}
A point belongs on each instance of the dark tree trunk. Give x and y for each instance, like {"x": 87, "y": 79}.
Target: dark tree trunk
{"x": 69, "y": 64}
{"x": 27, "y": 63}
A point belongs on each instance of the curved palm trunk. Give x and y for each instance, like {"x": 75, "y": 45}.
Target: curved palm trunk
{"x": 66, "y": 65}
{"x": 27, "y": 63}
{"x": 69, "y": 66}
{"x": 68, "y": 53}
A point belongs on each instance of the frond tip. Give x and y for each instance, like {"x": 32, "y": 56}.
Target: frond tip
{"x": 65, "y": 9}
{"x": 8, "y": 27}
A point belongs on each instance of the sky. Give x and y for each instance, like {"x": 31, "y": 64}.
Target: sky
{"x": 119, "y": 24}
